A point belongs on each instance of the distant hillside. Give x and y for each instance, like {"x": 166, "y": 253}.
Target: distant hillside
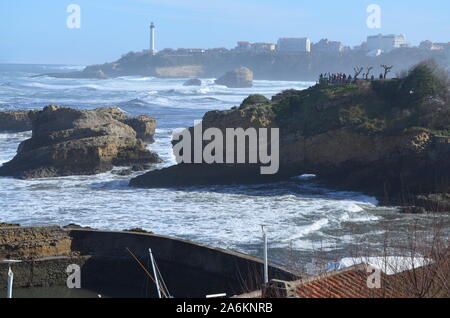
{"x": 266, "y": 66}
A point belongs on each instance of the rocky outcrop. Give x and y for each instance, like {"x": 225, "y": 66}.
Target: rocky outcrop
{"x": 18, "y": 242}
{"x": 436, "y": 202}
{"x": 204, "y": 174}
{"x": 238, "y": 78}
{"x": 15, "y": 121}
{"x": 144, "y": 126}
{"x": 67, "y": 142}
{"x": 193, "y": 82}
{"x": 357, "y": 137}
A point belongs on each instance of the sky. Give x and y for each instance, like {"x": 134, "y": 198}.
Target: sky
{"x": 37, "y": 32}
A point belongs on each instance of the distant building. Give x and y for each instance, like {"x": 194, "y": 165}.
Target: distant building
{"x": 166, "y": 51}
{"x": 361, "y": 47}
{"x": 263, "y": 47}
{"x": 294, "y": 45}
{"x": 385, "y": 43}
{"x": 327, "y": 46}
{"x": 244, "y": 46}
{"x": 181, "y": 52}
{"x": 218, "y": 50}
{"x": 428, "y": 45}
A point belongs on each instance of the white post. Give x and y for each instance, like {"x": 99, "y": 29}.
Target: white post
{"x": 10, "y": 283}
{"x": 155, "y": 273}
{"x": 266, "y": 265}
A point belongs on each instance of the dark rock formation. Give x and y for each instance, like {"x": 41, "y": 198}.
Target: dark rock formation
{"x": 193, "y": 82}
{"x": 204, "y": 174}
{"x": 77, "y": 142}
{"x": 76, "y": 226}
{"x": 2, "y": 224}
{"x": 413, "y": 210}
{"x": 238, "y": 78}
{"x": 437, "y": 202}
{"x": 141, "y": 167}
{"x": 15, "y": 121}
{"x": 124, "y": 172}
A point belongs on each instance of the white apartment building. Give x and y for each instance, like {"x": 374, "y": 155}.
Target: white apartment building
{"x": 327, "y": 46}
{"x": 385, "y": 43}
{"x": 263, "y": 47}
{"x": 244, "y": 46}
{"x": 294, "y": 45}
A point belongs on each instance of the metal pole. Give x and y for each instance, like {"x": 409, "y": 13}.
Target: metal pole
{"x": 10, "y": 283}
{"x": 266, "y": 265}
{"x": 155, "y": 273}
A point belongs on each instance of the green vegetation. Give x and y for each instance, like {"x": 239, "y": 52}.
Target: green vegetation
{"x": 255, "y": 99}
{"x": 424, "y": 81}
{"x": 419, "y": 99}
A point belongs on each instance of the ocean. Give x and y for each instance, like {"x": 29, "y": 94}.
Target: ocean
{"x": 305, "y": 221}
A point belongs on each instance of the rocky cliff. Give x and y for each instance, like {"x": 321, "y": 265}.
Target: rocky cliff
{"x": 389, "y": 138}
{"x": 15, "y": 121}
{"x": 67, "y": 141}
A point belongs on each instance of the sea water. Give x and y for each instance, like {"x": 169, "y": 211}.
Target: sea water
{"x": 304, "y": 219}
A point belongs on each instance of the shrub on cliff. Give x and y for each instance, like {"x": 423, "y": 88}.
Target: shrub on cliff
{"x": 423, "y": 82}
{"x": 255, "y": 99}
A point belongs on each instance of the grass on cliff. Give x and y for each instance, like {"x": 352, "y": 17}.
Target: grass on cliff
{"x": 419, "y": 99}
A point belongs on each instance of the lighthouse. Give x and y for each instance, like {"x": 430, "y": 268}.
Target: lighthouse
{"x": 152, "y": 39}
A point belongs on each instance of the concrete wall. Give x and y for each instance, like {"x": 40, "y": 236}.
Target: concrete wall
{"x": 189, "y": 269}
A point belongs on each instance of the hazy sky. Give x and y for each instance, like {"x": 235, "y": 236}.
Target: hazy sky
{"x": 34, "y": 31}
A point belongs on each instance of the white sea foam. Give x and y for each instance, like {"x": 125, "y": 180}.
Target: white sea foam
{"x": 298, "y": 212}
{"x": 305, "y": 230}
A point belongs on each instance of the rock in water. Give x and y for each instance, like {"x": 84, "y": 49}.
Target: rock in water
{"x": 193, "y": 82}
{"x": 367, "y": 136}
{"x": 238, "y": 78}
{"x": 15, "y": 121}
{"x": 144, "y": 126}
{"x": 67, "y": 142}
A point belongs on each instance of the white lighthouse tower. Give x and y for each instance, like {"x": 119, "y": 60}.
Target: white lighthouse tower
{"x": 152, "y": 39}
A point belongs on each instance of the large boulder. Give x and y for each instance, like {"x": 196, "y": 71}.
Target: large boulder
{"x": 193, "y": 82}
{"x": 238, "y": 78}
{"x": 15, "y": 121}
{"x": 67, "y": 141}
{"x": 144, "y": 126}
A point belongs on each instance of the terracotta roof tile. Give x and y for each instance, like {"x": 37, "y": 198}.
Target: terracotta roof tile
{"x": 348, "y": 283}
